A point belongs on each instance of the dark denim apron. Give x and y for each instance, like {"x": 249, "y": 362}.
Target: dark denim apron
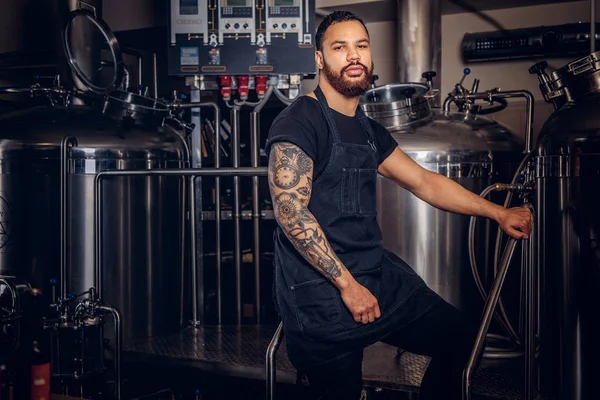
{"x": 317, "y": 324}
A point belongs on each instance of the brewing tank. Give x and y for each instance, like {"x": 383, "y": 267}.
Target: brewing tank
{"x": 568, "y": 230}
{"x": 471, "y": 150}
{"x": 142, "y": 217}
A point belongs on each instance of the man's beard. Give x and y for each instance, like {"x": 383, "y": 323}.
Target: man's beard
{"x": 349, "y": 87}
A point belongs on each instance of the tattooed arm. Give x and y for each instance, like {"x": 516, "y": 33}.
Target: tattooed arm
{"x": 290, "y": 183}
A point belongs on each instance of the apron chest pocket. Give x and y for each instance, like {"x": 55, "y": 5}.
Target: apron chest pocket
{"x": 357, "y": 194}
{"x": 316, "y": 304}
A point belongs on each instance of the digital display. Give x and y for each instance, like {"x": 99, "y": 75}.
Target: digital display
{"x": 283, "y": 2}
{"x": 236, "y": 3}
{"x": 188, "y": 7}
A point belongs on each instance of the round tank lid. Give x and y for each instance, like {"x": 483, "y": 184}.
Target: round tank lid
{"x": 92, "y": 51}
{"x": 394, "y": 96}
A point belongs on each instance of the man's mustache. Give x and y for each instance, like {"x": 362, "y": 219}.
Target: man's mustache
{"x": 354, "y": 65}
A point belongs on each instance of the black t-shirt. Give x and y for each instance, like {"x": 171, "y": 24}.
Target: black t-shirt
{"x": 302, "y": 123}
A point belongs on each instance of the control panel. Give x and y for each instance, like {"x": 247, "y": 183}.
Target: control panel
{"x": 285, "y": 17}
{"x": 236, "y": 17}
{"x": 241, "y": 37}
{"x": 188, "y": 16}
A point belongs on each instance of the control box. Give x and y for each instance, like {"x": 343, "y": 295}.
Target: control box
{"x": 241, "y": 37}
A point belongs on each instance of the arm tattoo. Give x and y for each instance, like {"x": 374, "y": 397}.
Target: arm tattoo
{"x": 290, "y": 172}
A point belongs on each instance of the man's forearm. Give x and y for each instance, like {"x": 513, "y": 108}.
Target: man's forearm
{"x": 446, "y": 194}
{"x": 305, "y": 233}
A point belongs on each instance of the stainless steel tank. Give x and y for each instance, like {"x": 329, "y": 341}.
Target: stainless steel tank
{"x": 568, "y": 228}
{"x": 143, "y": 217}
{"x": 468, "y": 148}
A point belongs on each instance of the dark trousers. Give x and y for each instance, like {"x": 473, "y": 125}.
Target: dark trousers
{"x": 443, "y": 333}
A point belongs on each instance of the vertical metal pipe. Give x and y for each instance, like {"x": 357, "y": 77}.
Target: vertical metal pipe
{"x": 419, "y": 24}
{"x": 254, "y": 162}
{"x": 488, "y": 314}
{"x": 592, "y": 26}
{"x": 195, "y": 196}
{"x": 528, "y": 312}
{"x": 140, "y": 68}
{"x": 118, "y": 343}
{"x": 98, "y": 238}
{"x": 195, "y": 274}
{"x": 64, "y": 211}
{"x": 218, "y": 207}
{"x": 235, "y": 157}
{"x": 155, "y": 75}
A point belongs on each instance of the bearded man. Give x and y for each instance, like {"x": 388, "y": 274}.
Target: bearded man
{"x": 337, "y": 289}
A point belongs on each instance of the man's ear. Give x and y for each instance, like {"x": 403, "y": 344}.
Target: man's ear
{"x": 319, "y": 59}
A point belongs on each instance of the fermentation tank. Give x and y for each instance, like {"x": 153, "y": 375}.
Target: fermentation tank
{"x": 471, "y": 150}
{"x": 568, "y": 228}
{"x": 143, "y": 217}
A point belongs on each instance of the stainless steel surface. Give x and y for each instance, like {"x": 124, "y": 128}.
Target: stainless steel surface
{"x": 568, "y": 185}
{"x": 488, "y": 314}
{"x": 139, "y": 213}
{"x": 400, "y": 104}
{"x": 271, "y": 370}
{"x": 475, "y": 152}
{"x": 255, "y": 162}
{"x": 235, "y": 157}
{"x": 419, "y": 25}
{"x": 568, "y": 222}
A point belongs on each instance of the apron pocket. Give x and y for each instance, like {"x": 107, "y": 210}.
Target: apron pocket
{"x": 367, "y": 186}
{"x": 316, "y": 304}
{"x": 348, "y": 191}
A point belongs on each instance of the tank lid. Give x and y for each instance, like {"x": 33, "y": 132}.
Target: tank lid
{"x": 95, "y": 56}
{"x": 394, "y": 96}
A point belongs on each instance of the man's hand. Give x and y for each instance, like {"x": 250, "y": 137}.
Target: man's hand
{"x": 516, "y": 222}
{"x": 361, "y": 303}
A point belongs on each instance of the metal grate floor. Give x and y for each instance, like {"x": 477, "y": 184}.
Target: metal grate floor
{"x": 241, "y": 350}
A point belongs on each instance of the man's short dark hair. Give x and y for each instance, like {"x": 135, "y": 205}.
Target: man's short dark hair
{"x": 334, "y": 18}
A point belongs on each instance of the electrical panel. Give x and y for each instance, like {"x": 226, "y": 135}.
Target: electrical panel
{"x": 527, "y": 43}
{"x": 241, "y": 37}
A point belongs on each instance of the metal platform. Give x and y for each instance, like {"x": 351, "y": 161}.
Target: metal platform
{"x": 240, "y": 351}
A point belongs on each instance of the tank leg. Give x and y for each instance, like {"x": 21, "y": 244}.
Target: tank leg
{"x": 488, "y": 314}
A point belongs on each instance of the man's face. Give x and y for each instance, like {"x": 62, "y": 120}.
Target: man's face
{"x": 345, "y": 57}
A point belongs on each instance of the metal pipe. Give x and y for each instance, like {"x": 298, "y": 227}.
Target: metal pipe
{"x": 513, "y": 94}
{"x": 155, "y": 75}
{"x": 419, "y": 35}
{"x": 490, "y": 305}
{"x": 254, "y": 162}
{"x": 592, "y": 26}
{"x": 242, "y": 171}
{"x": 118, "y": 343}
{"x": 528, "y": 251}
{"x": 64, "y": 210}
{"x": 235, "y": 159}
{"x": 196, "y": 277}
{"x": 270, "y": 376}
